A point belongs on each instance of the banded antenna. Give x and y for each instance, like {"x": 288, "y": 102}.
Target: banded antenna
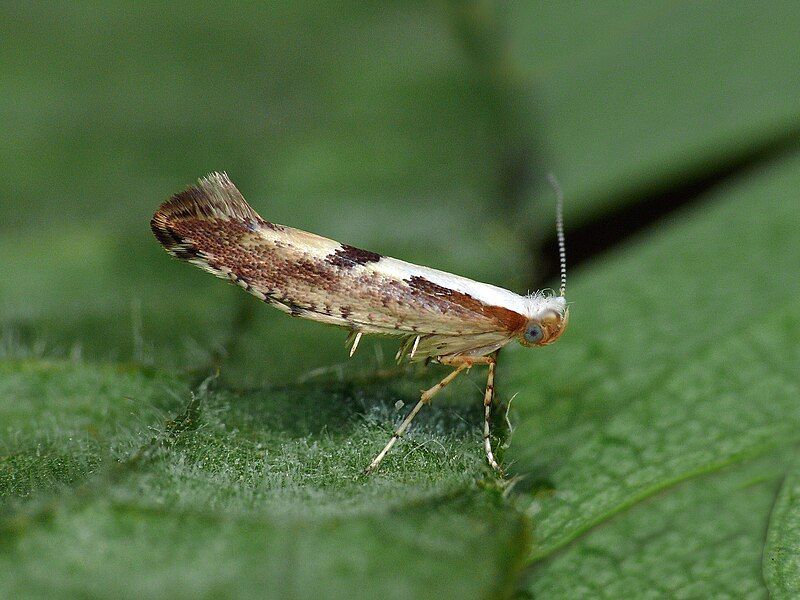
{"x": 562, "y": 248}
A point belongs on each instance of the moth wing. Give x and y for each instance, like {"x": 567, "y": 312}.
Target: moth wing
{"x": 306, "y": 275}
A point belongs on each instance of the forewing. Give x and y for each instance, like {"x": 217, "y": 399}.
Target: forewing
{"x": 316, "y": 278}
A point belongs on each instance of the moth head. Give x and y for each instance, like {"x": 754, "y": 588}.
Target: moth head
{"x": 545, "y": 328}
{"x": 548, "y": 315}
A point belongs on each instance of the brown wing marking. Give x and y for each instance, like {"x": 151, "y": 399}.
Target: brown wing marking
{"x": 350, "y": 256}
{"x": 509, "y": 320}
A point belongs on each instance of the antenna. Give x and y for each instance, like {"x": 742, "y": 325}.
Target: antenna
{"x": 562, "y": 250}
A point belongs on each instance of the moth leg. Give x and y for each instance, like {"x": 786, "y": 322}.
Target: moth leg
{"x": 488, "y": 398}
{"x": 424, "y": 399}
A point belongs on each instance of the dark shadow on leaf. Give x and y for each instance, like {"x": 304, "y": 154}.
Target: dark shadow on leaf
{"x": 337, "y": 408}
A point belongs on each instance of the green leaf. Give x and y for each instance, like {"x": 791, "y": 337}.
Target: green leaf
{"x": 680, "y": 360}
{"x": 275, "y": 449}
{"x": 703, "y": 539}
{"x": 62, "y": 423}
{"x": 302, "y": 450}
{"x": 451, "y": 549}
{"x": 111, "y": 471}
{"x": 782, "y": 554}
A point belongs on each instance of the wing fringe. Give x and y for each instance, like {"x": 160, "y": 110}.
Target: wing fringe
{"x": 214, "y": 197}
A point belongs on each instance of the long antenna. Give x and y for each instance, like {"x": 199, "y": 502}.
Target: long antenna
{"x": 562, "y": 248}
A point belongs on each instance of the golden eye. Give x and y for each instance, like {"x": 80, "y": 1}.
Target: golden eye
{"x": 534, "y": 334}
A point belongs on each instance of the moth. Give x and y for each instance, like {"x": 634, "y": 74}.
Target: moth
{"x": 439, "y": 317}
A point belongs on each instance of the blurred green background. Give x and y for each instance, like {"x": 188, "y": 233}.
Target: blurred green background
{"x": 422, "y": 130}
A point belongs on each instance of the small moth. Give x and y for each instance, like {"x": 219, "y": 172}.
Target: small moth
{"x": 440, "y": 317}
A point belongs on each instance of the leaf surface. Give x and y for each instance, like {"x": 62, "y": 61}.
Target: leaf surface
{"x": 782, "y": 552}
{"x": 702, "y": 539}
{"x": 682, "y": 362}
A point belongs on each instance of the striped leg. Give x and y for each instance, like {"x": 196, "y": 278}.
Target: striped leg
{"x": 488, "y": 398}
{"x": 487, "y": 408}
{"x": 424, "y": 399}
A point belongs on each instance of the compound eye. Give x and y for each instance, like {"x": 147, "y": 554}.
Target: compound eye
{"x": 534, "y": 334}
